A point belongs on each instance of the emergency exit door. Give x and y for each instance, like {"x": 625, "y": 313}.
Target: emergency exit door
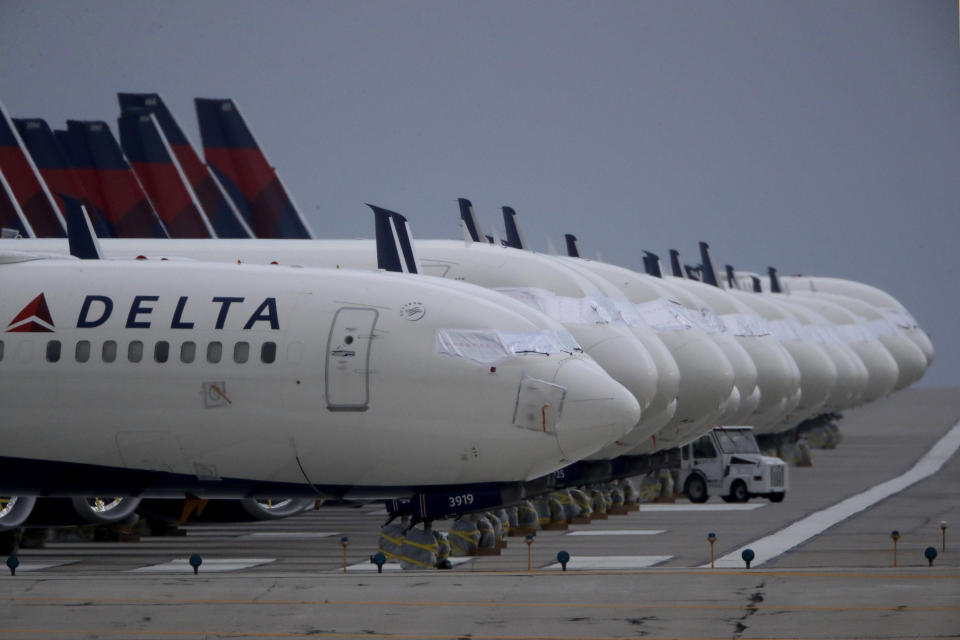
{"x": 347, "y": 377}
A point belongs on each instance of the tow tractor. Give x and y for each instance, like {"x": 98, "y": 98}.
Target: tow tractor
{"x": 727, "y": 462}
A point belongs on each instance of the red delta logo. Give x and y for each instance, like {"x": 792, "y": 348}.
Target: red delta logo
{"x": 33, "y": 318}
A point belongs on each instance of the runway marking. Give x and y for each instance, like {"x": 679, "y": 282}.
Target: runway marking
{"x": 40, "y": 566}
{"x": 395, "y": 566}
{"x": 181, "y": 565}
{"x": 292, "y": 535}
{"x": 816, "y": 523}
{"x": 579, "y": 563}
{"x": 702, "y": 507}
{"x": 619, "y": 532}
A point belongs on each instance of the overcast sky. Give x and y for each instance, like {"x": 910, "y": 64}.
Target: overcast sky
{"x": 820, "y": 137}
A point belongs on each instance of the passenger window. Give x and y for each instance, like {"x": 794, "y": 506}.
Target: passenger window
{"x": 109, "y": 351}
{"x": 188, "y": 352}
{"x": 703, "y": 448}
{"x": 53, "y": 351}
{"x": 268, "y": 352}
{"x": 161, "y": 351}
{"x": 214, "y": 352}
{"x": 82, "y": 352}
{"x": 135, "y": 351}
{"x": 241, "y": 352}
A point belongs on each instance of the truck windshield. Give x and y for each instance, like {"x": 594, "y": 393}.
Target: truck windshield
{"x": 737, "y": 441}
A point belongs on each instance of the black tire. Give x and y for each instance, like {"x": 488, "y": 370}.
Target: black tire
{"x": 738, "y": 492}
{"x": 727, "y": 498}
{"x": 696, "y": 489}
{"x": 777, "y": 497}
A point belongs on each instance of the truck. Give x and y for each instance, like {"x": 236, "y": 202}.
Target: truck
{"x": 727, "y": 462}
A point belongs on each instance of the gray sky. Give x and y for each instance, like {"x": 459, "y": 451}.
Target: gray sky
{"x": 820, "y": 137}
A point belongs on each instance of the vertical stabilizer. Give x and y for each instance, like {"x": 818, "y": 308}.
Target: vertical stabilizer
{"x": 774, "y": 280}
{"x": 161, "y": 175}
{"x": 469, "y": 219}
{"x": 242, "y": 168}
{"x": 573, "y": 248}
{"x": 26, "y": 186}
{"x": 57, "y": 171}
{"x": 675, "y": 267}
{"x": 221, "y": 212}
{"x": 388, "y": 242}
{"x": 514, "y": 237}
{"x": 757, "y": 285}
{"x": 82, "y": 239}
{"x": 651, "y": 264}
{"x": 109, "y": 181}
{"x": 706, "y": 266}
{"x": 12, "y": 219}
{"x": 732, "y": 282}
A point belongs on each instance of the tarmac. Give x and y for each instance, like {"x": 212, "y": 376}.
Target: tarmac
{"x": 824, "y": 565}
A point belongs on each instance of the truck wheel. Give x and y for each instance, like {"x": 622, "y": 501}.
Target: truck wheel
{"x": 777, "y": 497}
{"x": 738, "y": 492}
{"x": 696, "y": 489}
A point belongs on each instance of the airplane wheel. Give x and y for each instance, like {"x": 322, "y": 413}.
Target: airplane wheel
{"x": 696, "y": 489}
{"x": 14, "y": 510}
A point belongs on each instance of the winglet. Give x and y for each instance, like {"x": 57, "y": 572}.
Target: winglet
{"x": 83, "y": 241}
{"x": 693, "y": 272}
{"x": 514, "y": 237}
{"x": 470, "y": 219}
{"x": 402, "y": 229}
{"x": 573, "y": 249}
{"x": 709, "y": 276}
{"x": 675, "y": 263}
{"x": 774, "y": 280}
{"x": 651, "y": 264}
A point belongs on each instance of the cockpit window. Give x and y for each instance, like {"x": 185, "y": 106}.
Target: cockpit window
{"x": 736, "y": 441}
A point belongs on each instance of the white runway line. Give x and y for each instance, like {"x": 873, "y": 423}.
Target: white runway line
{"x": 586, "y": 563}
{"x": 620, "y": 532}
{"x": 40, "y": 566}
{"x": 703, "y": 507}
{"x": 181, "y": 565}
{"x": 799, "y": 532}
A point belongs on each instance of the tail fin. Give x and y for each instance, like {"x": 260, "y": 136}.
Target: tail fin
{"x": 13, "y": 222}
{"x": 27, "y": 187}
{"x": 470, "y": 220}
{"x": 109, "y": 181}
{"x": 226, "y": 220}
{"x": 56, "y": 170}
{"x": 83, "y": 241}
{"x": 757, "y": 286}
{"x": 675, "y": 267}
{"x": 706, "y": 266}
{"x": 243, "y": 169}
{"x": 394, "y": 247}
{"x": 732, "y": 282}
{"x": 774, "y": 281}
{"x": 161, "y": 176}
{"x": 573, "y": 249}
{"x": 514, "y": 237}
{"x": 651, "y": 263}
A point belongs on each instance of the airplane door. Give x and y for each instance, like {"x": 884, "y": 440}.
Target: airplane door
{"x": 347, "y": 377}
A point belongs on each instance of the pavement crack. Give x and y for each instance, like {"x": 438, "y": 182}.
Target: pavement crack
{"x": 753, "y": 600}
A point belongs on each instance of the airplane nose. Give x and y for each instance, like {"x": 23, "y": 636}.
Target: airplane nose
{"x": 626, "y": 360}
{"x": 597, "y": 410}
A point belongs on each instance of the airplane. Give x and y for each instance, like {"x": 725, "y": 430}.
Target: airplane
{"x": 172, "y": 377}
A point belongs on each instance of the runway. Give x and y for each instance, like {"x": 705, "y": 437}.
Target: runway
{"x": 642, "y": 574}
